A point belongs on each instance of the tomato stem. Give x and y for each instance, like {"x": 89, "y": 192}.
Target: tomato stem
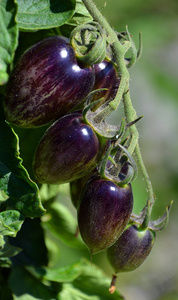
{"x": 151, "y": 196}
{"x": 130, "y": 115}
{"x": 113, "y": 284}
{"x": 119, "y": 51}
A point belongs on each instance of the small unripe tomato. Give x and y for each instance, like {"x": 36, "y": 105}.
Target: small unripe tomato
{"x": 131, "y": 249}
{"x": 46, "y": 83}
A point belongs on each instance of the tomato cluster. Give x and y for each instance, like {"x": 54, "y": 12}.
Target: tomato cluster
{"x": 49, "y": 86}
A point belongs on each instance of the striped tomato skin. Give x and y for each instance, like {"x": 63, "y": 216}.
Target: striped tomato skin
{"x": 69, "y": 150}
{"x": 103, "y": 212}
{"x": 106, "y": 77}
{"x": 131, "y": 249}
{"x": 46, "y": 83}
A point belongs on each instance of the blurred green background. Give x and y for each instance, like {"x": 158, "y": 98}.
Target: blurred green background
{"x": 154, "y": 91}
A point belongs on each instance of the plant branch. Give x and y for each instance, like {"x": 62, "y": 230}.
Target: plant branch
{"x": 151, "y": 196}
{"x": 130, "y": 115}
{"x": 119, "y": 51}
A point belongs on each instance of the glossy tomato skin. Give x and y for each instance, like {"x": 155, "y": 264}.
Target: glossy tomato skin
{"x": 47, "y": 82}
{"x": 103, "y": 212}
{"x": 77, "y": 186}
{"x": 131, "y": 249}
{"x": 106, "y": 76}
{"x": 68, "y": 150}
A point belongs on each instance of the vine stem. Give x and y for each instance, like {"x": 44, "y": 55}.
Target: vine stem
{"x": 151, "y": 196}
{"x": 119, "y": 51}
{"x": 130, "y": 115}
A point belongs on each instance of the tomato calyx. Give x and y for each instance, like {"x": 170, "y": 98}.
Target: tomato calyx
{"x": 89, "y": 42}
{"x": 124, "y": 37}
{"x": 96, "y": 118}
{"x": 100, "y": 126}
{"x": 117, "y": 163}
{"x": 143, "y": 219}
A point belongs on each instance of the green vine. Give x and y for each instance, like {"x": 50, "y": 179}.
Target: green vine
{"x": 119, "y": 51}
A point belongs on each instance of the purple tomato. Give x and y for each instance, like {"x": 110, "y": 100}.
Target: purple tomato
{"x": 131, "y": 249}
{"x": 103, "y": 212}
{"x": 46, "y": 83}
{"x": 106, "y": 76}
{"x": 68, "y": 150}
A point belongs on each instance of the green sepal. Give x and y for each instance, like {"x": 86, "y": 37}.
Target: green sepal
{"x": 89, "y": 43}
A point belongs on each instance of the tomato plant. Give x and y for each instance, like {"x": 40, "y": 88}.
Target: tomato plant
{"x": 64, "y": 69}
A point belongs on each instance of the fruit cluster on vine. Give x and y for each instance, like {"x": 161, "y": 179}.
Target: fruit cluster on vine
{"x": 72, "y": 85}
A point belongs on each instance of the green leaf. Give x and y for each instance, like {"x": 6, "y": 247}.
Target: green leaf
{"x": 31, "y": 239}
{"x": 63, "y": 274}
{"x": 93, "y": 281}
{"x": 8, "y": 36}
{"x": 81, "y": 15}
{"x": 7, "y": 250}
{"x": 35, "y": 15}
{"x": 25, "y": 287}
{"x": 92, "y": 284}
{"x": 17, "y": 189}
{"x": 49, "y": 191}
{"x": 10, "y": 222}
{"x": 28, "y": 141}
{"x": 69, "y": 292}
{"x": 63, "y": 225}
{"x": 5, "y": 262}
{"x": 81, "y": 281}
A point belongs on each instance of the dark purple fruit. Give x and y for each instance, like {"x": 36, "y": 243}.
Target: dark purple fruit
{"x": 103, "y": 212}
{"x": 77, "y": 186}
{"x": 106, "y": 76}
{"x": 47, "y": 83}
{"x": 68, "y": 150}
{"x": 131, "y": 249}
